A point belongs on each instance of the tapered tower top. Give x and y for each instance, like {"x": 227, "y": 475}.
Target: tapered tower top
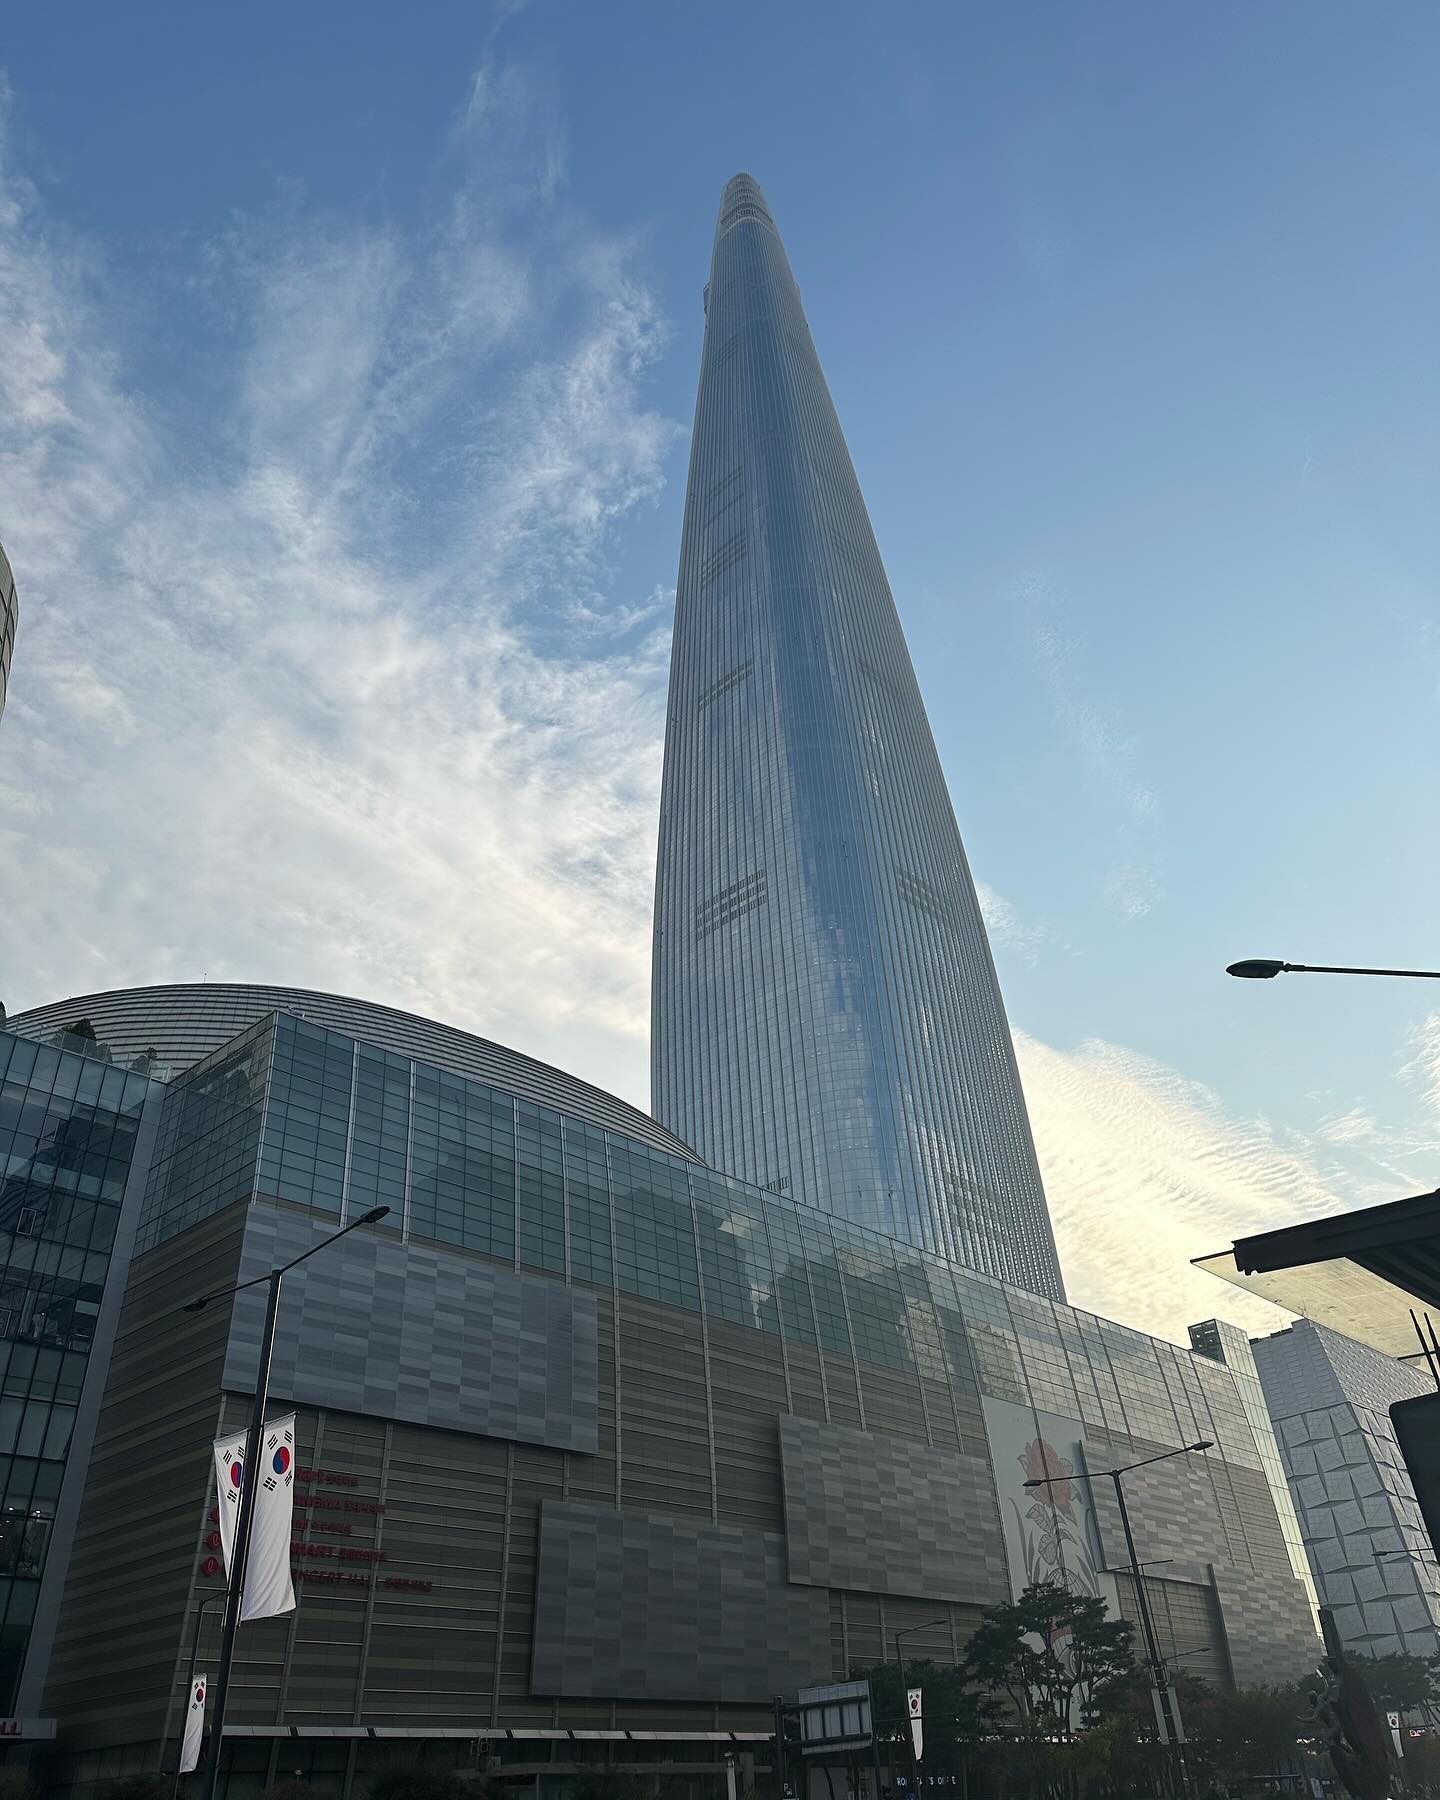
{"x": 826, "y": 1018}
{"x": 743, "y": 198}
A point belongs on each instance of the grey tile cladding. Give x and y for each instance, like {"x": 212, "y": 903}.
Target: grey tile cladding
{"x": 405, "y": 1332}
{"x": 1268, "y": 1627}
{"x": 880, "y": 1516}
{"x": 1330, "y": 1398}
{"x": 1193, "y": 1509}
{"x": 629, "y": 1607}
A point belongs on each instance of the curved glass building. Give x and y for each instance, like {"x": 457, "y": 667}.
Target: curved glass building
{"x": 597, "y": 1449}
{"x": 826, "y": 1017}
{"x": 166, "y": 1029}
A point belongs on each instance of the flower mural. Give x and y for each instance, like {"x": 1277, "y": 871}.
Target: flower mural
{"x": 1053, "y": 1529}
{"x": 1040, "y": 1460}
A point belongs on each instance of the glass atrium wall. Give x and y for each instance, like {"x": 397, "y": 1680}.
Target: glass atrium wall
{"x": 68, "y": 1124}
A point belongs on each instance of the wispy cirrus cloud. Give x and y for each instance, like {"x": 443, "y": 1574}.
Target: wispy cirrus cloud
{"x": 1146, "y": 1169}
{"x": 1005, "y": 927}
{"x": 1131, "y": 881}
{"x": 1422, "y": 1068}
{"x": 339, "y": 689}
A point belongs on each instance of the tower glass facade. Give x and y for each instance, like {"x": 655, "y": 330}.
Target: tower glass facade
{"x": 826, "y": 1017}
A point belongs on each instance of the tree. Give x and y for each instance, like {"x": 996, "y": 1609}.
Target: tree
{"x": 134, "y": 1787}
{"x": 82, "y": 1028}
{"x": 600, "y": 1783}
{"x": 1108, "y": 1755}
{"x": 1129, "y": 1696}
{"x": 1252, "y": 1731}
{"x": 1399, "y": 1681}
{"x": 956, "y": 1716}
{"x": 418, "y": 1783}
{"x": 1049, "y": 1651}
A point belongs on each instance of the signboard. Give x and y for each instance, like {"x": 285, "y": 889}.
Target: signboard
{"x": 1417, "y": 1430}
{"x": 834, "y": 1717}
{"x": 917, "y": 1728}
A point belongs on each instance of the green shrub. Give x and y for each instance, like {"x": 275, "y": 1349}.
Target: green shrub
{"x": 422, "y": 1784}
{"x": 136, "y": 1787}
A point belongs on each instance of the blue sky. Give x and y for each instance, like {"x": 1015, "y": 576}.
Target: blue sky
{"x": 348, "y": 361}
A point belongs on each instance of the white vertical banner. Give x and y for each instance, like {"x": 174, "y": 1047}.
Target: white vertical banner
{"x": 917, "y": 1728}
{"x": 268, "y": 1588}
{"x": 194, "y": 1727}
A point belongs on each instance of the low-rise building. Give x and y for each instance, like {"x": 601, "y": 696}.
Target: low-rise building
{"x": 594, "y": 1441}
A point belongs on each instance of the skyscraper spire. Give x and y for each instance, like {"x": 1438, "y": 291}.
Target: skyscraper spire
{"x": 826, "y": 1018}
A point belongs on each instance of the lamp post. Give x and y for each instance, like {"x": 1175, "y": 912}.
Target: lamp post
{"x": 1159, "y": 1674}
{"x": 217, "y": 1599}
{"x": 249, "y": 1486}
{"x": 1264, "y": 968}
{"x": 909, "y": 1631}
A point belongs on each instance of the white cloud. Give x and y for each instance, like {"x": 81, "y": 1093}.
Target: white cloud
{"x": 1353, "y": 1127}
{"x": 341, "y": 692}
{"x": 1422, "y": 1070}
{"x": 1145, "y": 1169}
{"x": 1006, "y": 928}
{"x": 1106, "y": 753}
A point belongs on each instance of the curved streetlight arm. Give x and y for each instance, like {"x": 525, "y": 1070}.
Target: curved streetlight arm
{"x": 1111, "y": 1474}
{"x": 249, "y": 1487}
{"x": 373, "y": 1217}
{"x": 1264, "y": 968}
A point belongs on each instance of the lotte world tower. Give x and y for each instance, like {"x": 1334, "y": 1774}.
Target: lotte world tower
{"x": 826, "y": 1017}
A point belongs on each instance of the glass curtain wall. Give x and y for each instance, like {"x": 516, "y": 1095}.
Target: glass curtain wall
{"x": 68, "y": 1124}
{"x": 307, "y": 1115}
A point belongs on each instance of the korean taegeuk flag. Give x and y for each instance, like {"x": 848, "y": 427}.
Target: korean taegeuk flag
{"x": 194, "y": 1726}
{"x": 268, "y": 1588}
{"x": 915, "y": 1700}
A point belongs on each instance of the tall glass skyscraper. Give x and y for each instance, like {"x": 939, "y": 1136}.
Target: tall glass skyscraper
{"x": 826, "y": 1017}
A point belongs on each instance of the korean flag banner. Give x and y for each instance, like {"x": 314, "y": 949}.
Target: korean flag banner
{"x": 194, "y": 1727}
{"x": 268, "y": 1588}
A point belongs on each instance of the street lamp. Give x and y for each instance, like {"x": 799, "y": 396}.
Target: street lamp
{"x": 1264, "y": 968}
{"x": 209, "y": 1600}
{"x": 909, "y": 1631}
{"x": 249, "y": 1487}
{"x": 1159, "y": 1674}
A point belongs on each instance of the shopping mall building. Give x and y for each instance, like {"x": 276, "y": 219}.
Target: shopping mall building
{"x": 601, "y": 1449}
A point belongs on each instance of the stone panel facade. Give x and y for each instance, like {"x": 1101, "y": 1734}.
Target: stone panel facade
{"x": 670, "y": 1609}
{"x": 402, "y": 1331}
{"x": 881, "y": 1516}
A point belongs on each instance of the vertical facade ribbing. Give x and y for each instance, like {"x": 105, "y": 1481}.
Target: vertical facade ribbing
{"x": 826, "y": 1017}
